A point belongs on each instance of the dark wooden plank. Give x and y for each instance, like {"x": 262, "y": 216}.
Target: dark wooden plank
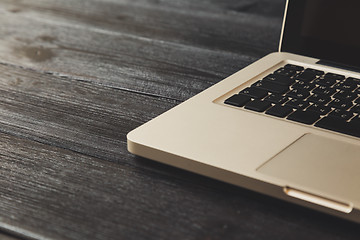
{"x": 80, "y": 116}
{"x": 43, "y": 195}
{"x": 47, "y": 191}
{"x": 194, "y": 23}
{"x": 4, "y": 236}
{"x": 53, "y": 127}
{"x": 136, "y": 52}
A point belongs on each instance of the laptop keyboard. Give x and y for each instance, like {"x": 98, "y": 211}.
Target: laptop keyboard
{"x": 305, "y": 95}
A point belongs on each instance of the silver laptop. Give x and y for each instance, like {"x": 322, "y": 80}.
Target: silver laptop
{"x": 287, "y": 126}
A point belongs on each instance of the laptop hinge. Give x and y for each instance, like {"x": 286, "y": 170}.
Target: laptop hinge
{"x": 338, "y": 65}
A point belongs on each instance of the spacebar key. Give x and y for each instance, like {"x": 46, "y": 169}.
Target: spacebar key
{"x": 339, "y": 125}
{"x": 306, "y": 117}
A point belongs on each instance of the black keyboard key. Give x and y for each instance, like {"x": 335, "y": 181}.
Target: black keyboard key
{"x": 279, "y": 111}
{"x": 298, "y": 103}
{"x": 334, "y": 76}
{"x": 346, "y": 95}
{"x": 324, "y": 90}
{"x": 325, "y": 82}
{"x": 339, "y": 125}
{"x": 276, "y": 98}
{"x": 356, "y": 108}
{"x": 254, "y": 92}
{"x": 306, "y": 117}
{"x": 355, "y": 121}
{"x": 318, "y": 98}
{"x": 351, "y": 80}
{"x": 271, "y": 87}
{"x": 279, "y": 79}
{"x": 317, "y": 72}
{"x": 340, "y": 104}
{"x": 357, "y": 91}
{"x": 296, "y": 93}
{"x": 294, "y": 67}
{"x": 319, "y": 108}
{"x": 286, "y": 72}
{"x": 258, "y": 105}
{"x": 304, "y": 86}
{"x": 306, "y": 76}
{"x": 345, "y": 115}
{"x": 347, "y": 86}
{"x": 237, "y": 100}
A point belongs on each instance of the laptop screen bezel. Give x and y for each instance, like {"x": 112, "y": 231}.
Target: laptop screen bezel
{"x": 292, "y": 41}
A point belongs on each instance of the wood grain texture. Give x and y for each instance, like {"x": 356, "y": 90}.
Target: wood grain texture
{"x": 71, "y": 114}
{"x": 4, "y": 236}
{"x": 93, "y": 120}
{"x": 132, "y": 44}
{"x": 76, "y": 76}
{"x": 53, "y": 193}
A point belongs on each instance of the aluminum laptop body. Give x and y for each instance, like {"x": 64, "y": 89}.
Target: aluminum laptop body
{"x": 300, "y": 160}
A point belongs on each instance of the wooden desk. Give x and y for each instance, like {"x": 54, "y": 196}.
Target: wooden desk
{"x": 77, "y": 76}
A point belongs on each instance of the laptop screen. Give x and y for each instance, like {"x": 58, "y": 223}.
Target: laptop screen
{"x": 324, "y": 29}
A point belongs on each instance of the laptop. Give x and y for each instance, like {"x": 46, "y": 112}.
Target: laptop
{"x": 287, "y": 126}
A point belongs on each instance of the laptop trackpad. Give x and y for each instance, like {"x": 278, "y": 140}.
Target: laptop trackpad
{"x": 322, "y": 166}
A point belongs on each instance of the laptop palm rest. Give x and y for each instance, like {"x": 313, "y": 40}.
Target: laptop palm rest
{"x": 320, "y": 170}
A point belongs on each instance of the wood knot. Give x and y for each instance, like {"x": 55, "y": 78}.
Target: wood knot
{"x": 37, "y": 54}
